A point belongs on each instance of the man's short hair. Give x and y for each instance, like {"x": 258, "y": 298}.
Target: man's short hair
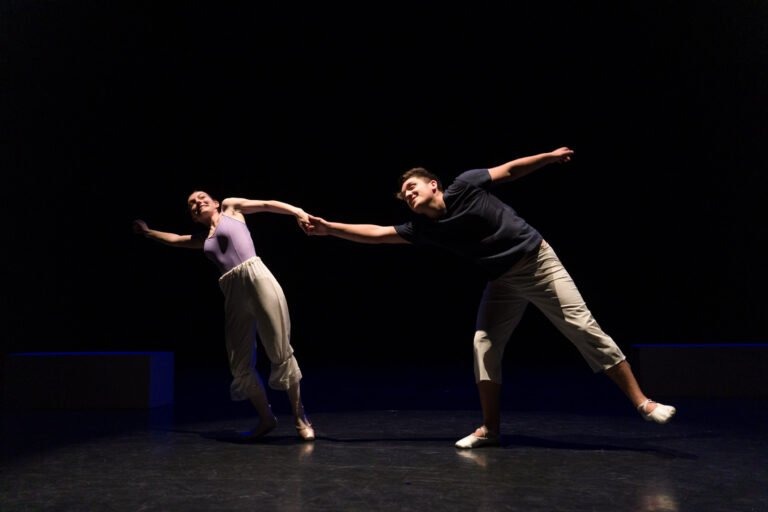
{"x": 418, "y": 172}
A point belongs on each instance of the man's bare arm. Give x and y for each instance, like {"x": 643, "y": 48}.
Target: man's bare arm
{"x": 361, "y": 233}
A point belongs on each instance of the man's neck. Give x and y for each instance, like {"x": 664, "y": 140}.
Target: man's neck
{"x": 436, "y": 207}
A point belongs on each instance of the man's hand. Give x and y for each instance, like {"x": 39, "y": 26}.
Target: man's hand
{"x": 562, "y": 155}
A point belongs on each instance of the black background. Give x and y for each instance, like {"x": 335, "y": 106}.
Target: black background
{"x": 118, "y": 110}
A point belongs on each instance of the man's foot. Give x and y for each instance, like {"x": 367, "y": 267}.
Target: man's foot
{"x": 263, "y": 428}
{"x": 654, "y": 411}
{"x": 480, "y": 437}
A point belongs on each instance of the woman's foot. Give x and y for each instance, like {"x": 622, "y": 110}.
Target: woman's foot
{"x": 305, "y": 430}
{"x": 654, "y": 411}
{"x": 263, "y": 428}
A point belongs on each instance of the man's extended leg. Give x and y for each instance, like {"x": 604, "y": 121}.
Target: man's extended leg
{"x": 561, "y": 302}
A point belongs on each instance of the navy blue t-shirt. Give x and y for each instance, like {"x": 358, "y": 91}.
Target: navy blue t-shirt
{"x": 477, "y": 225}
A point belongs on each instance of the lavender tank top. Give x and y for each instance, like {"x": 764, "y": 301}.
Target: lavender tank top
{"x": 230, "y": 245}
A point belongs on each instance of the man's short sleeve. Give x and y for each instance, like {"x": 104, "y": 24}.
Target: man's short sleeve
{"x": 478, "y": 177}
{"x": 406, "y": 231}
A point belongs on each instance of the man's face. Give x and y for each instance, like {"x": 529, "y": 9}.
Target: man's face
{"x": 418, "y": 192}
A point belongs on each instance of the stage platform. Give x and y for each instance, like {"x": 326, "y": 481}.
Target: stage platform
{"x": 570, "y": 442}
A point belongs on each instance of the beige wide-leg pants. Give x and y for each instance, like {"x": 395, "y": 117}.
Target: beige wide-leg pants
{"x": 254, "y": 303}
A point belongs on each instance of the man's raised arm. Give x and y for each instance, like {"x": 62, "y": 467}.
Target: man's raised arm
{"x": 519, "y": 167}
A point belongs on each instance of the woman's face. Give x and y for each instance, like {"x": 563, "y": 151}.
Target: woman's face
{"x": 202, "y": 206}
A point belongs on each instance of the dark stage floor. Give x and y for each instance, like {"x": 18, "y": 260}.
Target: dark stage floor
{"x": 385, "y": 442}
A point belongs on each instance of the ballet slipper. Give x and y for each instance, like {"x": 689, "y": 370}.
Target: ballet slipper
{"x": 474, "y": 440}
{"x": 306, "y": 432}
{"x": 660, "y": 414}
